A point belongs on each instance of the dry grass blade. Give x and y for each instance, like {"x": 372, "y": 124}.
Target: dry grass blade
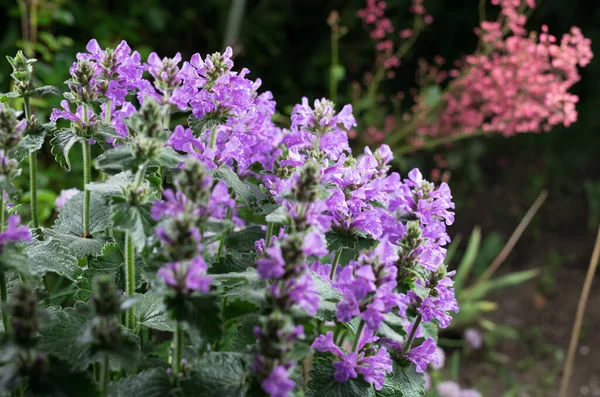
{"x": 512, "y": 241}
{"x": 587, "y": 285}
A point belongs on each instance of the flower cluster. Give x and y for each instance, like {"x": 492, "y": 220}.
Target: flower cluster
{"x": 515, "y": 83}
{"x": 381, "y": 28}
{"x": 183, "y": 211}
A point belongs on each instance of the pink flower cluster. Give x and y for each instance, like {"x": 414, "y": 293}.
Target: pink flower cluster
{"x": 381, "y": 28}
{"x": 518, "y": 83}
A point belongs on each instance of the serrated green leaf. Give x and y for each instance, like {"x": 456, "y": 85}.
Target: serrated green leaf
{"x": 62, "y": 143}
{"x": 153, "y": 382}
{"x": 233, "y": 262}
{"x": 110, "y": 262}
{"x": 134, "y": 219}
{"x": 168, "y": 158}
{"x": 68, "y": 228}
{"x": 13, "y": 258}
{"x": 51, "y": 256}
{"x": 61, "y": 339}
{"x": 403, "y": 382}
{"x": 116, "y": 160}
{"x": 208, "y": 122}
{"x": 218, "y": 375}
{"x": 250, "y": 196}
{"x": 242, "y": 335}
{"x": 32, "y": 141}
{"x": 150, "y": 311}
{"x": 106, "y": 131}
{"x": 113, "y": 185}
{"x": 323, "y": 384}
{"x": 245, "y": 239}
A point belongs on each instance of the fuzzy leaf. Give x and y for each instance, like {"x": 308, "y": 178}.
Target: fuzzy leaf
{"x": 51, "y": 256}
{"x": 32, "y": 141}
{"x": 219, "y": 374}
{"x": 154, "y": 382}
{"x": 329, "y": 297}
{"x": 243, "y": 337}
{"x": 113, "y": 185}
{"x": 323, "y": 384}
{"x": 151, "y": 312}
{"x": 135, "y": 219}
{"x": 61, "y": 143}
{"x": 13, "y": 258}
{"x": 68, "y": 228}
{"x": 61, "y": 339}
{"x": 208, "y": 122}
{"x": 116, "y": 160}
{"x": 250, "y": 196}
{"x": 403, "y": 382}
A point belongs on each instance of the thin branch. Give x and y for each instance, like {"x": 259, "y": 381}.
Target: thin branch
{"x": 512, "y": 241}
{"x": 587, "y": 285}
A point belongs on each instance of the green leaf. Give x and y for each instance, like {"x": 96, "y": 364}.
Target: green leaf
{"x": 243, "y": 333}
{"x": 250, "y": 196}
{"x": 219, "y": 375}
{"x": 208, "y": 122}
{"x": 13, "y": 258}
{"x": 113, "y": 185}
{"x": 61, "y": 143}
{"x": 329, "y": 297}
{"x": 153, "y": 382}
{"x": 68, "y": 228}
{"x": 233, "y": 262}
{"x": 134, "y": 219}
{"x": 403, "y": 382}
{"x": 433, "y": 96}
{"x": 202, "y": 312}
{"x": 168, "y": 158}
{"x": 110, "y": 262}
{"x": 244, "y": 240}
{"x": 150, "y": 311}
{"x": 60, "y": 380}
{"x": 480, "y": 290}
{"x": 323, "y": 384}
{"x": 466, "y": 264}
{"x": 430, "y": 330}
{"x": 61, "y": 339}
{"x": 51, "y": 256}
{"x": 32, "y": 141}
{"x": 106, "y": 131}
{"x": 42, "y": 91}
{"x": 116, "y": 160}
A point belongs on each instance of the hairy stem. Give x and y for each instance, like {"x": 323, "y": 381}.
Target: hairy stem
{"x": 336, "y": 261}
{"x": 358, "y": 335}
{"x": 213, "y": 138}
{"x": 129, "y": 278}
{"x": 3, "y": 286}
{"x": 87, "y": 178}
{"x": 32, "y": 172}
{"x": 411, "y": 337}
{"x": 223, "y": 236}
{"x": 177, "y": 348}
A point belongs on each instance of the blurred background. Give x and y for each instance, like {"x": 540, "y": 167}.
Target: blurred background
{"x": 524, "y": 313}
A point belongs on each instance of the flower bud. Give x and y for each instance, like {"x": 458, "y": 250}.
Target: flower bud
{"x": 25, "y": 316}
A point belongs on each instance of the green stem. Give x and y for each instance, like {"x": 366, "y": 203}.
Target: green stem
{"x": 107, "y": 112}
{"x": 411, "y": 337}
{"x": 32, "y": 171}
{"x": 105, "y": 375}
{"x": 129, "y": 277}
{"x": 223, "y": 236}
{"x": 4, "y": 301}
{"x": 177, "y": 348}
{"x": 97, "y": 371}
{"x": 3, "y": 286}
{"x": 213, "y": 138}
{"x": 140, "y": 174}
{"x": 33, "y": 189}
{"x": 358, "y": 335}
{"x": 270, "y": 230}
{"x": 87, "y": 178}
{"x": 336, "y": 261}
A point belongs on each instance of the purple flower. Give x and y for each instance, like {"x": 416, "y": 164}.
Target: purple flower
{"x": 314, "y": 244}
{"x": 423, "y": 354}
{"x": 278, "y": 384}
{"x": 76, "y": 117}
{"x": 345, "y": 369}
{"x": 473, "y": 338}
{"x": 186, "y": 277}
{"x": 14, "y": 231}
{"x": 65, "y": 195}
{"x": 448, "y": 389}
{"x": 470, "y": 393}
{"x": 273, "y": 266}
